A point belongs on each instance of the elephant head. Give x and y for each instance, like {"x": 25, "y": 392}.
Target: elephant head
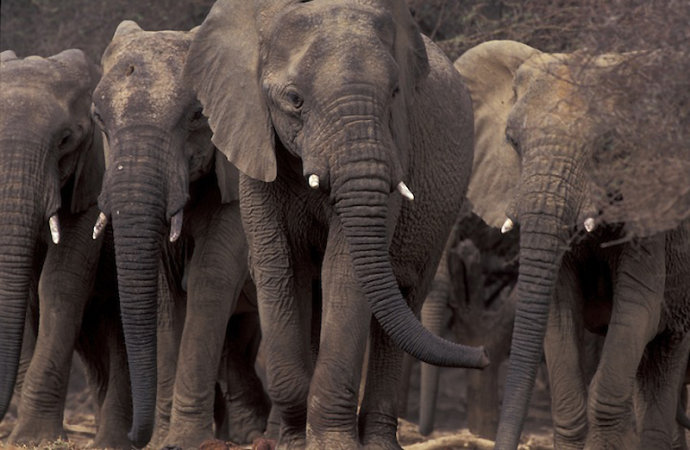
{"x": 537, "y": 147}
{"x": 51, "y": 164}
{"x": 319, "y": 92}
{"x": 158, "y": 142}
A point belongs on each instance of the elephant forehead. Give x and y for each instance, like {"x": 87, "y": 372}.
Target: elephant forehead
{"x": 143, "y": 72}
{"x": 335, "y": 41}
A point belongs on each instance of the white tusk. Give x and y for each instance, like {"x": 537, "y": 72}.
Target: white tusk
{"x": 175, "y": 226}
{"x": 507, "y": 226}
{"x": 590, "y": 224}
{"x": 100, "y": 225}
{"x": 405, "y": 191}
{"x": 314, "y": 181}
{"x": 54, "y": 223}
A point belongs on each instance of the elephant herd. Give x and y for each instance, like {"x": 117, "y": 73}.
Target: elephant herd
{"x": 287, "y": 175}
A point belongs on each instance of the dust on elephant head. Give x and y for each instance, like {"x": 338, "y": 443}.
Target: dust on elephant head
{"x": 549, "y": 156}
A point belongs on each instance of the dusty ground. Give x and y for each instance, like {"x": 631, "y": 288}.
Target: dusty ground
{"x": 451, "y": 425}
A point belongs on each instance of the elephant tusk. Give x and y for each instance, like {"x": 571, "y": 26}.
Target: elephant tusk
{"x": 176, "y": 226}
{"x": 54, "y": 224}
{"x": 314, "y": 181}
{"x": 590, "y": 224}
{"x": 507, "y": 226}
{"x": 405, "y": 191}
{"x": 100, "y": 225}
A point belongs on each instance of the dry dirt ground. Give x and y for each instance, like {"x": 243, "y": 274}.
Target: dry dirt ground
{"x": 451, "y": 425}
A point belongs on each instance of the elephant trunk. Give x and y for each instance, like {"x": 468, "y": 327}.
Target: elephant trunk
{"x": 23, "y": 213}
{"x": 361, "y": 191}
{"x": 136, "y": 200}
{"x": 548, "y": 210}
{"x": 435, "y": 313}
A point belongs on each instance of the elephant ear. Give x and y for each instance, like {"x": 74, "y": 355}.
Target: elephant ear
{"x": 228, "y": 178}
{"x": 409, "y": 47}
{"x": 223, "y": 69}
{"x": 488, "y": 71}
{"x": 88, "y": 174}
{"x": 79, "y": 77}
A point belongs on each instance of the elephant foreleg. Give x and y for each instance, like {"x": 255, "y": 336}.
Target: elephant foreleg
{"x": 334, "y": 391}
{"x": 217, "y": 272}
{"x": 637, "y": 299}
{"x": 562, "y": 349}
{"x": 64, "y": 288}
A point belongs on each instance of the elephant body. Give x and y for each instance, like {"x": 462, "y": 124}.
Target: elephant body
{"x": 472, "y": 295}
{"x": 324, "y": 122}
{"x": 582, "y": 267}
{"x": 180, "y": 288}
{"x": 52, "y": 166}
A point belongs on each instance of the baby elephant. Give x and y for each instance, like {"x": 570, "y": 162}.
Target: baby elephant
{"x": 173, "y": 202}
{"x": 473, "y": 295}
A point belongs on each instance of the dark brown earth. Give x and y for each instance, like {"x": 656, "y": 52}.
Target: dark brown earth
{"x": 451, "y": 424}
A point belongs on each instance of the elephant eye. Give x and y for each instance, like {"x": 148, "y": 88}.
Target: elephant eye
{"x": 395, "y": 92}
{"x": 97, "y": 117}
{"x": 295, "y": 99}
{"x": 197, "y": 119}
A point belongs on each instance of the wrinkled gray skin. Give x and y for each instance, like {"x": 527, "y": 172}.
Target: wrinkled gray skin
{"x": 638, "y": 291}
{"x": 52, "y": 163}
{"x": 161, "y": 168}
{"x": 350, "y": 93}
{"x": 472, "y": 295}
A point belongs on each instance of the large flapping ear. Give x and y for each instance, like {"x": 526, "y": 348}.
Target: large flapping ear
{"x": 223, "y": 69}
{"x": 410, "y": 51}
{"x": 79, "y": 78}
{"x": 89, "y": 172}
{"x": 228, "y": 178}
{"x": 488, "y": 71}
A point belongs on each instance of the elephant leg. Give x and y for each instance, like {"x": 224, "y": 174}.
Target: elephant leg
{"x": 171, "y": 315}
{"x": 66, "y": 281}
{"x": 378, "y": 416}
{"x": 661, "y": 373}
{"x": 334, "y": 391}
{"x": 217, "y": 272}
{"x": 245, "y": 402}
{"x": 637, "y": 300}
{"x": 562, "y": 349}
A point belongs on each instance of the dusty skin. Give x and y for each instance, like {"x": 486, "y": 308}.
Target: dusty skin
{"x": 451, "y": 425}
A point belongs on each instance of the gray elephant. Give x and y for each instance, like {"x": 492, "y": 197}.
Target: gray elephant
{"x": 331, "y": 109}
{"x": 162, "y": 168}
{"x": 52, "y": 167}
{"x": 472, "y": 295}
{"x": 537, "y": 147}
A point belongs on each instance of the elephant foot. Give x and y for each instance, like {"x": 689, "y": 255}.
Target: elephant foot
{"x": 336, "y": 440}
{"x": 291, "y": 442}
{"x": 184, "y": 437}
{"x": 246, "y": 425}
{"x": 111, "y": 438}
{"x": 382, "y": 444}
{"x": 34, "y": 430}
{"x": 613, "y": 440}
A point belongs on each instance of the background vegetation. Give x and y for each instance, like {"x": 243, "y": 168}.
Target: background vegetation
{"x": 655, "y": 128}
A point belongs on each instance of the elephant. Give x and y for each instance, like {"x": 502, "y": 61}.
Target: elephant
{"x": 537, "y": 153}
{"x": 472, "y": 295}
{"x": 52, "y": 168}
{"x": 330, "y": 110}
{"x": 161, "y": 167}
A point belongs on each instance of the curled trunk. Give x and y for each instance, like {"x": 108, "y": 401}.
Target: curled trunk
{"x": 361, "y": 202}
